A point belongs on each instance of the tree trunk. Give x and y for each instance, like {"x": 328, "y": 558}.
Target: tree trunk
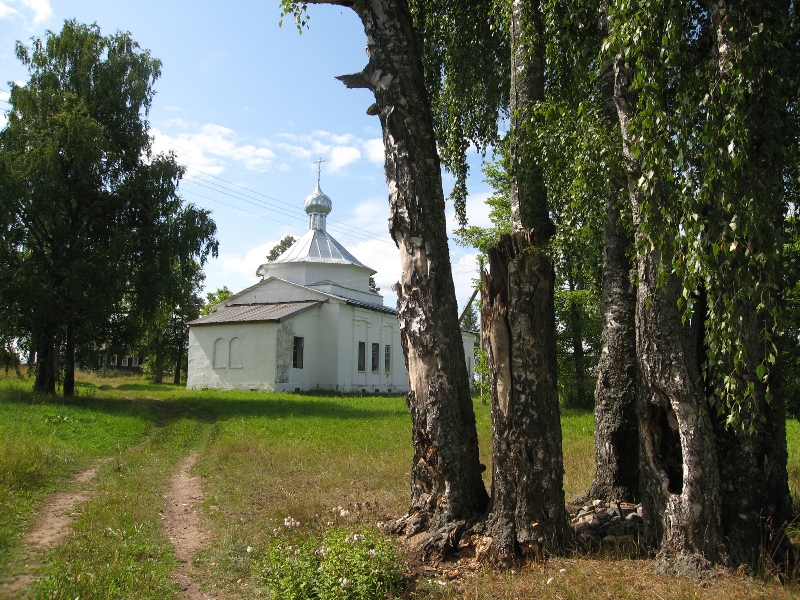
{"x": 47, "y": 359}
{"x": 446, "y": 483}
{"x": 679, "y": 475}
{"x": 69, "y": 361}
{"x": 178, "y": 361}
{"x": 158, "y": 373}
{"x": 616, "y": 427}
{"x": 756, "y": 503}
{"x": 527, "y": 514}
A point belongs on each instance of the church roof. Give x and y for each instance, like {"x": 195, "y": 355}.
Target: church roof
{"x": 256, "y": 313}
{"x": 316, "y": 246}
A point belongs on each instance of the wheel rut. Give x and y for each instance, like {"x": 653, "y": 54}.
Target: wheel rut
{"x": 49, "y": 527}
{"x": 182, "y": 525}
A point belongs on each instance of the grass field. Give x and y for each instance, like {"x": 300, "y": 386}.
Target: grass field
{"x": 319, "y": 460}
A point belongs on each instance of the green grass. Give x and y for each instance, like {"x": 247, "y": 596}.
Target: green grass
{"x": 324, "y": 460}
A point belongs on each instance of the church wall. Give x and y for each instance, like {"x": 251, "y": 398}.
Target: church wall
{"x": 278, "y": 291}
{"x": 370, "y": 327}
{"x": 232, "y": 356}
{"x": 287, "y": 377}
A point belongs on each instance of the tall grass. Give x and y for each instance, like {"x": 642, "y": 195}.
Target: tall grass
{"x": 319, "y": 461}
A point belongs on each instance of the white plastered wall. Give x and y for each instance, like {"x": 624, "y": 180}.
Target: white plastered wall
{"x": 255, "y": 371}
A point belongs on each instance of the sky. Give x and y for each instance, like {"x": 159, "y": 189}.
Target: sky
{"x": 248, "y": 107}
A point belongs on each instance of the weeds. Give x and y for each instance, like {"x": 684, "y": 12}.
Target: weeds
{"x": 343, "y": 564}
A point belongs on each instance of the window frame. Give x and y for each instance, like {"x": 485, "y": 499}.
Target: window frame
{"x": 376, "y": 357}
{"x": 387, "y": 358}
{"x": 362, "y": 357}
{"x": 297, "y": 356}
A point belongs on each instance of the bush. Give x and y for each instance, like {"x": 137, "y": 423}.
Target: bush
{"x": 342, "y": 565}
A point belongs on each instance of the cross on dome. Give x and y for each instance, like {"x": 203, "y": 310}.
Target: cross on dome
{"x": 318, "y": 205}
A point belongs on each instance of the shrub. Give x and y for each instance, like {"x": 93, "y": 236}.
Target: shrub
{"x": 342, "y": 565}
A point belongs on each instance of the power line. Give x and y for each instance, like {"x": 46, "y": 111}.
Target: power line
{"x": 340, "y": 224}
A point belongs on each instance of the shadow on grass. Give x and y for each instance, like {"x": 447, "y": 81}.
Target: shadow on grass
{"x": 205, "y": 407}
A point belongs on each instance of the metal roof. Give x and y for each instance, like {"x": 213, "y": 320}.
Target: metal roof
{"x": 316, "y": 246}
{"x": 256, "y": 313}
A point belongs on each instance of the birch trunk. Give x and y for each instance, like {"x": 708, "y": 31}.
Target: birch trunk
{"x": 679, "y": 474}
{"x": 446, "y": 484}
{"x": 527, "y": 516}
{"x": 616, "y": 428}
{"x": 756, "y": 503}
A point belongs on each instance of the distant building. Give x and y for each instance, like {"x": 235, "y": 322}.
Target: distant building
{"x": 310, "y": 323}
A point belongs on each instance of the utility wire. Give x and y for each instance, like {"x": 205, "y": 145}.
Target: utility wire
{"x": 340, "y": 224}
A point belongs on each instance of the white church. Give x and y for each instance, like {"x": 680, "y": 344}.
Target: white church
{"x": 311, "y": 323}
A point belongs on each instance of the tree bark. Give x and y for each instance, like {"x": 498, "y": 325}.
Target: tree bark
{"x": 446, "y": 483}
{"x": 527, "y": 515}
{"x": 679, "y": 475}
{"x": 158, "y": 374}
{"x": 47, "y": 359}
{"x": 756, "y": 503}
{"x": 178, "y": 361}
{"x": 616, "y": 428}
{"x": 69, "y": 361}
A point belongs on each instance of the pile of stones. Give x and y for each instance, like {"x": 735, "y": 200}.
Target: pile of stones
{"x": 613, "y": 523}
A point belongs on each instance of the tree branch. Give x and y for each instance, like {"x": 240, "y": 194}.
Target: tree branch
{"x": 356, "y": 80}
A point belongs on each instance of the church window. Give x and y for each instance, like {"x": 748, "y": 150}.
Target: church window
{"x": 114, "y": 360}
{"x": 235, "y": 358}
{"x": 135, "y": 362}
{"x": 220, "y": 354}
{"x": 376, "y": 351}
{"x": 387, "y": 358}
{"x": 297, "y": 353}
{"x": 362, "y": 356}
{"x": 124, "y": 361}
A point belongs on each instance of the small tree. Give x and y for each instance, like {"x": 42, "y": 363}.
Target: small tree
{"x": 280, "y": 248}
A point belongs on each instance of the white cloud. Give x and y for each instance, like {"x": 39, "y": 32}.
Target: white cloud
{"x": 374, "y": 150}
{"x": 385, "y": 259}
{"x": 245, "y": 266}
{"x": 477, "y": 212}
{"x": 41, "y": 8}
{"x": 6, "y": 11}
{"x": 208, "y": 146}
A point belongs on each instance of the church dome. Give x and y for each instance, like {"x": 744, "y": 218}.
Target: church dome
{"x": 318, "y": 202}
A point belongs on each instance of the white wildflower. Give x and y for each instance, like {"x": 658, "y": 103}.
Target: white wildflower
{"x": 249, "y": 549}
{"x": 549, "y": 581}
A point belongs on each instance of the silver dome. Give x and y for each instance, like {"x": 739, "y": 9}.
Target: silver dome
{"x": 318, "y": 202}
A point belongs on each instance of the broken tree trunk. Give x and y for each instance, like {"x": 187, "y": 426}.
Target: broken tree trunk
{"x": 527, "y": 515}
{"x": 446, "y": 483}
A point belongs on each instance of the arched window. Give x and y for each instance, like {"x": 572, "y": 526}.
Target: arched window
{"x": 220, "y": 354}
{"x": 236, "y": 354}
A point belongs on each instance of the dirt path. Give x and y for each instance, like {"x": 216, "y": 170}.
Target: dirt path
{"x": 182, "y": 525}
{"x": 51, "y": 524}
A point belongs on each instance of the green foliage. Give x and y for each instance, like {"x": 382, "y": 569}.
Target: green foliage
{"x": 91, "y": 218}
{"x": 343, "y": 564}
{"x": 373, "y": 287}
{"x": 216, "y": 297}
{"x": 465, "y": 55}
{"x": 280, "y": 248}
{"x": 716, "y": 135}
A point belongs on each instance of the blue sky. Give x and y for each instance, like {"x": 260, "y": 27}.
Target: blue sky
{"x": 248, "y": 107}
